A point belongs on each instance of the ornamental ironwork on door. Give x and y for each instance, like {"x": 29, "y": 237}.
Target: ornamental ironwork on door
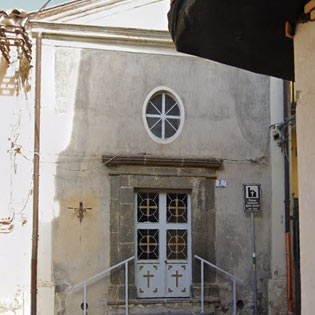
{"x": 163, "y": 241}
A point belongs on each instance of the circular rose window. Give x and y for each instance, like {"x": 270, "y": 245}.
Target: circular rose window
{"x": 163, "y": 115}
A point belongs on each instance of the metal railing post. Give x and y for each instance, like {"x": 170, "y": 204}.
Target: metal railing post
{"x": 232, "y": 277}
{"x": 84, "y": 299}
{"x": 101, "y": 274}
{"x": 202, "y": 288}
{"x": 126, "y": 287}
{"x": 234, "y": 296}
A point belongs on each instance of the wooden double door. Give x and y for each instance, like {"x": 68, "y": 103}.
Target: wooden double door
{"x": 163, "y": 244}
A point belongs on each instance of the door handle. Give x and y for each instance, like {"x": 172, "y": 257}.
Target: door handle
{"x": 165, "y": 261}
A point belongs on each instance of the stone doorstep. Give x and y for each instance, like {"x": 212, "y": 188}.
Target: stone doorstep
{"x": 116, "y": 295}
{"x": 165, "y": 306}
{"x": 178, "y": 306}
{"x": 181, "y": 313}
{"x": 183, "y": 306}
{"x": 164, "y": 309}
{"x": 173, "y": 312}
{"x": 164, "y": 302}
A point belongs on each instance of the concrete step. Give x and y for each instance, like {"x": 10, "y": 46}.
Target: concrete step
{"x": 180, "y": 313}
{"x": 168, "y": 306}
{"x": 160, "y": 310}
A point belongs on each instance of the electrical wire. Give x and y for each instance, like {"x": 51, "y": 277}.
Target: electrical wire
{"x": 37, "y": 12}
{"x": 126, "y": 10}
{"x": 89, "y": 158}
{"x": 42, "y": 8}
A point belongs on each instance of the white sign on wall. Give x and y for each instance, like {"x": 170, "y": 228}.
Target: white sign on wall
{"x": 252, "y": 197}
{"x": 221, "y": 183}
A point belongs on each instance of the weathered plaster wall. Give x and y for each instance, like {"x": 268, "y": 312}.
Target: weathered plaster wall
{"x": 278, "y": 283}
{"x": 95, "y": 107}
{"x": 305, "y": 77}
{"x": 230, "y": 107}
{"x": 233, "y": 234}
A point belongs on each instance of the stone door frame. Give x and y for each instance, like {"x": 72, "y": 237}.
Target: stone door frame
{"x": 129, "y": 174}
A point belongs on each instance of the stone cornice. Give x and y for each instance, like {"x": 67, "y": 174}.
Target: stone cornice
{"x": 154, "y": 161}
{"x": 118, "y": 35}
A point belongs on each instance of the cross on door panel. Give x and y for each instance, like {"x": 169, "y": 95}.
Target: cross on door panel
{"x": 163, "y": 266}
{"x": 177, "y": 280}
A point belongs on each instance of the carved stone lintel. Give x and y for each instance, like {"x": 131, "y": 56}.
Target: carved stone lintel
{"x": 154, "y": 160}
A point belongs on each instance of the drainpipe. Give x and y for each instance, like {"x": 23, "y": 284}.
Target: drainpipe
{"x": 287, "y": 197}
{"x": 36, "y": 174}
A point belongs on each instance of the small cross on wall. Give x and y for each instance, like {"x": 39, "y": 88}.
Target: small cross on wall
{"x": 80, "y": 211}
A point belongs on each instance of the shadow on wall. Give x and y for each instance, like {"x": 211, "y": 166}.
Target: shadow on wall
{"x": 15, "y": 119}
{"x": 7, "y": 79}
{"x": 14, "y": 78}
{"x": 80, "y": 247}
{"x": 7, "y": 88}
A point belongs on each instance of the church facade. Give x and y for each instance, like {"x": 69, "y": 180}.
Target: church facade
{"x": 139, "y": 160}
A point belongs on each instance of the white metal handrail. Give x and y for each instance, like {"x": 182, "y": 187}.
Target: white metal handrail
{"x": 98, "y": 275}
{"x": 232, "y": 277}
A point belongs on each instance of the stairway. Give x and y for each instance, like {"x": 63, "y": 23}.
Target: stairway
{"x": 166, "y": 307}
{"x": 179, "y": 306}
{"x": 176, "y": 313}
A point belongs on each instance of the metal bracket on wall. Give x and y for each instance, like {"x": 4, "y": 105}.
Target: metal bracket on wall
{"x": 80, "y": 211}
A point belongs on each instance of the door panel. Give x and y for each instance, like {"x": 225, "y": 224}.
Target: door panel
{"x": 177, "y": 279}
{"x": 163, "y": 259}
{"x": 149, "y": 284}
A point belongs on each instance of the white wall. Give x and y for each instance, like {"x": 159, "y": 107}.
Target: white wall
{"x": 304, "y": 50}
{"x": 16, "y": 147}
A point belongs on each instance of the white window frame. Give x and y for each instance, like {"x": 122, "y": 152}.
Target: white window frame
{"x": 173, "y": 94}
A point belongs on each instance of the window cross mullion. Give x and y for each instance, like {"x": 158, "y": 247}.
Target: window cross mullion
{"x": 153, "y": 116}
{"x": 155, "y": 123}
{"x": 172, "y": 117}
{"x": 171, "y": 124}
{"x": 171, "y": 108}
{"x": 163, "y": 116}
{"x": 155, "y": 107}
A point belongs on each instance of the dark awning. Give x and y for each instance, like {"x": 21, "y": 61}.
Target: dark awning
{"x": 248, "y": 34}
